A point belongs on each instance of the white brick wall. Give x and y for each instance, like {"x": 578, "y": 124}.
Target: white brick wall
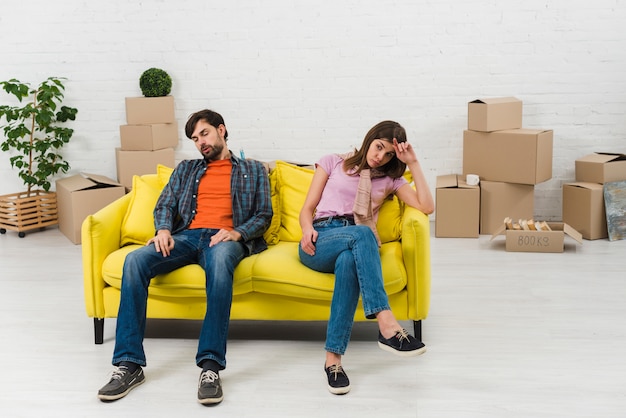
{"x": 296, "y": 80}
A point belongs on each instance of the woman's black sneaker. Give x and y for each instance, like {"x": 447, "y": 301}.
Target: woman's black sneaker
{"x": 338, "y": 382}
{"x": 402, "y": 344}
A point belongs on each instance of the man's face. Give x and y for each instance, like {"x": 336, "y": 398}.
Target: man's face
{"x": 210, "y": 140}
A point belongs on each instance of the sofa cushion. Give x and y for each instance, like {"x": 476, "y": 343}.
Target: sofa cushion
{"x": 164, "y": 173}
{"x": 258, "y": 273}
{"x": 389, "y": 224}
{"x": 187, "y": 281}
{"x": 296, "y": 280}
{"x": 292, "y": 184}
{"x": 271, "y": 235}
{"x": 138, "y": 223}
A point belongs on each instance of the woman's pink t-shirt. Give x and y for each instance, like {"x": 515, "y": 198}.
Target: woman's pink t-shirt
{"x": 340, "y": 191}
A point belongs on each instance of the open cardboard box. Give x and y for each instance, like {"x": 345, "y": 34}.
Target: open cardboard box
{"x": 458, "y": 208}
{"x": 601, "y": 167}
{"x": 538, "y": 241}
{"x": 81, "y": 195}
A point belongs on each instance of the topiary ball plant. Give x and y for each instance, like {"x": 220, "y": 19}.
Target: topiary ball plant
{"x": 155, "y": 82}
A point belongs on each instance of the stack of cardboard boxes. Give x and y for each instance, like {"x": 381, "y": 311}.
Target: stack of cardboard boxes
{"x": 583, "y": 200}
{"x": 148, "y": 139}
{"x": 508, "y": 160}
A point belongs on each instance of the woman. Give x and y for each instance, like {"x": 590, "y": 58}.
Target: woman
{"x": 339, "y": 236}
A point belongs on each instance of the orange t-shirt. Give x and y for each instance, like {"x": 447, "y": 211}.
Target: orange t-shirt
{"x": 214, "y": 202}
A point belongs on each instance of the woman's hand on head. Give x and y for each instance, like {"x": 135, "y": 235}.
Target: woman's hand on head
{"x": 404, "y": 152}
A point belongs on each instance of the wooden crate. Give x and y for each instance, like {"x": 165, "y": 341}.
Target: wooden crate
{"x": 20, "y": 212}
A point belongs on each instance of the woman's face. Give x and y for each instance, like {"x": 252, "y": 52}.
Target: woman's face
{"x": 379, "y": 153}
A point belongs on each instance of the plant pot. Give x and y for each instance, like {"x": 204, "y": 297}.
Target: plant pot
{"x": 21, "y": 212}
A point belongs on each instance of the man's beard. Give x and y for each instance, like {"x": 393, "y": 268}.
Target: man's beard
{"x": 213, "y": 153}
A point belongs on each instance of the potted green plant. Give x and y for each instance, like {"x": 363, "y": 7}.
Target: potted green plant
{"x": 34, "y": 133}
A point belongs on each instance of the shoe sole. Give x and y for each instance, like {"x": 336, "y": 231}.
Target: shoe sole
{"x": 211, "y": 401}
{"x": 120, "y": 395}
{"x": 412, "y": 353}
{"x": 336, "y": 391}
{"x": 339, "y": 391}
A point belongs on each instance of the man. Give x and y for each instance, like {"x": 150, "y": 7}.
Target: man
{"x": 213, "y": 212}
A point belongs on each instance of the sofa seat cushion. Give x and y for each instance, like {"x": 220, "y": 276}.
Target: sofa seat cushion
{"x": 279, "y": 271}
{"x": 187, "y": 281}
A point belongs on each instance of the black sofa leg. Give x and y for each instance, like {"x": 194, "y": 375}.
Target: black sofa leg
{"x": 98, "y": 329}
{"x": 417, "y": 329}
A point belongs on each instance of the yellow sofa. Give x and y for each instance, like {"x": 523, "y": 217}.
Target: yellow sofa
{"x": 272, "y": 285}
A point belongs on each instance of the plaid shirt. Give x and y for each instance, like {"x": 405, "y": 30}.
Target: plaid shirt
{"x": 252, "y": 207}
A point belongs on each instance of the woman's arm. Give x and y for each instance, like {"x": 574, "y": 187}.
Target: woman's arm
{"x": 420, "y": 198}
{"x": 309, "y": 235}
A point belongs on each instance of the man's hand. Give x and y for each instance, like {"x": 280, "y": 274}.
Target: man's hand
{"x": 224, "y": 235}
{"x": 163, "y": 242}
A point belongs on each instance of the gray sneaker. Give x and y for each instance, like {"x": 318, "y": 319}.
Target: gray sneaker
{"x": 122, "y": 381}
{"x": 209, "y": 388}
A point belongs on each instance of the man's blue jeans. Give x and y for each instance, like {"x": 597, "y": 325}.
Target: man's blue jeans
{"x": 351, "y": 252}
{"x": 191, "y": 247}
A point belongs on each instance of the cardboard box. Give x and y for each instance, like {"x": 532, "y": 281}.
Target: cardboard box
{"x": 494, "y": 114}
{"x": 499, "y": 200}
{"x": 583, "y": 209}
{"x": 538, "y": 241}
{"x": 81, "y": 195}
{"x": 149, "y": 137}
{"x": 458, "y": 208}
{"x": 131, "y": 163}
{"x": 601, "y": 167}
{"x": 514, "y": 156}
{"x": 147, "y": 110}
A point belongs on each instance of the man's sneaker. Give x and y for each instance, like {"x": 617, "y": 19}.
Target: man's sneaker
{"x": 209, "y": 388}
{"x": 402, "y": 344}
{"x": 338, "y": 382}
{"x": 122, "y": 381}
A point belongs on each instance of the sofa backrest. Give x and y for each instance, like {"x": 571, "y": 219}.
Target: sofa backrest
{"x": 289, "y": 185}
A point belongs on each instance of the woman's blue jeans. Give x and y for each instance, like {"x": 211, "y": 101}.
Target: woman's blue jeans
{"x": 351, "y": 252}
{"x": 191, "y": 247}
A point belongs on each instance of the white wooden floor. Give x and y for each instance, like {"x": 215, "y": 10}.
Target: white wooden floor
{"x": 509, "y": 335}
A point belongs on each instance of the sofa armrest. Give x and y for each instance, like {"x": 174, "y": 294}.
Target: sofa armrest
{"x": 416, "y": 252}
{"x": 100, "y": 234}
